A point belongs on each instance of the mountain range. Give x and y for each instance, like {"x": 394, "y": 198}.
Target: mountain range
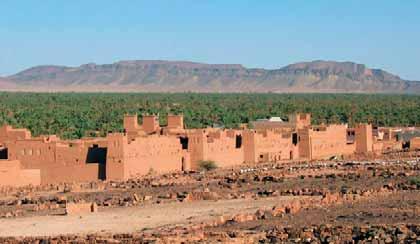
{"x": 181, "y": 76}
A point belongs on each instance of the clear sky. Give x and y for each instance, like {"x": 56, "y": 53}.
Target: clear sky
{"x": 261, "y": 33}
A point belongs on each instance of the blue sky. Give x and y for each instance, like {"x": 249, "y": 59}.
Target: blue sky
{"x": 270, "y": 34}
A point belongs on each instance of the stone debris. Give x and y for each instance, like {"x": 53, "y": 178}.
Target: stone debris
{"x": 80, "y": 208}
{"x": 403, "y": 233}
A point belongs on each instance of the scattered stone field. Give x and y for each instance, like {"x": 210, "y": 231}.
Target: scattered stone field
{"x": 341, "y": 201}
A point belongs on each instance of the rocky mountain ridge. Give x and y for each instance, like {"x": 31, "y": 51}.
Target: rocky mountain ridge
{"x": 182, "y": 76}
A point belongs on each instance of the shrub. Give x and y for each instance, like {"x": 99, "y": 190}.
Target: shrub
{"x": 207, "y": 165}
{"x": 415, "y": 181}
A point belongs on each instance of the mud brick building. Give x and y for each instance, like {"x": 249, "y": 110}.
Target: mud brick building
{"x": 150, "y": 147}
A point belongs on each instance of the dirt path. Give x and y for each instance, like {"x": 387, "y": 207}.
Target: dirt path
{"x": 132, "y": 219}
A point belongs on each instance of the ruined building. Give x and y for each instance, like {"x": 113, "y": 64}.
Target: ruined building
{"x": 147, "y": 147}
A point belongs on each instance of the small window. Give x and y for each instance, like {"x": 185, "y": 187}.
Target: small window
{"x": 238, "y": 142}
{"x": 295, "y": 139}
{"x": 184, "y": 142}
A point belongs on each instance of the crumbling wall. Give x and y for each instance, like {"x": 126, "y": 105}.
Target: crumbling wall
{"x": 415, "y": 143}
{"x": 221, "y": 147}
{"x": 300, "y": 120}
{"x": 154, "y": 153}
{"x": 58, "y": 161}
{"x": 268, "y": 146}
{"x": 53, "y": 174}
{"x": 143, "y": 155}
{"x": 7, "y": 134}
{"x": 325, "y": 141}
{"x": 11, "y": 174}
{"x": 364, "y": 138}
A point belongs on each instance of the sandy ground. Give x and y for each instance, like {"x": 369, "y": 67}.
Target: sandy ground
{"x": 132, "y": 219}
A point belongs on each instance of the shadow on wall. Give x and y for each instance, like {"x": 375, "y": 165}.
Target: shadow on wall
{"x": 97, "y": 155}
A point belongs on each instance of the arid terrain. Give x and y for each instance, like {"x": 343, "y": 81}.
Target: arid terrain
{"x": 182, "y": 76}
{"x": 349, "y": 200}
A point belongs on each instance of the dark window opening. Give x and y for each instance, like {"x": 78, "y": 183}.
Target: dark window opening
{"x": 295, "y": 139}
{"x": 406, "y": 145}
{"x": 98, "y": 155}
{"x": 184, "y": 142}
{"x": 3, "y": 153}
{"x": 183, "y": 166}
{"x": 238, "y": 143}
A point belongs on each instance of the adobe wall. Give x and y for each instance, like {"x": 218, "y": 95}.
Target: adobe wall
{"x": 7, "y": 134}
{"x": 196, "y": 147}
{"x": 11, "y": 174}
{"x": 388, "y": 140}
{"x": 115, "y": 156}
{"x": 149, "y": 148}
{"x": 33, "y": 154}
{"x": 150, "y": 124}
{"x": 175, "y": 122}
{"x": 270, "y": 125}
{"x": 156, "y": 153}
{"x": 364, "y": 138}
{"x": 139, "y": 156}
{"x": 221, "y": 148}
{"x": 323, "y": 142}
{"x": 130, "y": 123}
{"x": 215, "y": 145}
{"x": 58, "y": 161}
{"x": 268, "y": 146}
{"x": 300, "y": 120}
{"x": 52, "y": 174}
{"x": 391, "y": 146}
{"x": 415, "y": 143}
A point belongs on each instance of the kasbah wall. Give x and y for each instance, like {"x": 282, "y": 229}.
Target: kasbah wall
{"x": 146, "y": 148}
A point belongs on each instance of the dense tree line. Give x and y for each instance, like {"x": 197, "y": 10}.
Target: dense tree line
{"x": 73, "y": 115}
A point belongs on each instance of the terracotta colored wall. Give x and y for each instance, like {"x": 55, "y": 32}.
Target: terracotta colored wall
{"x": 33, "y": 154}
{"x": 130, "y": 122}
{"x": 363, "y": 138}
{"x": 268, "y": 146}
{"x": 148, "y": 148}
{"x": 150, "y": 123}
{"x": 58, "y": 161}
{"x": 415, "y": 143}
{"x": 160, "y": 154}
{"x": 331, "y": 142}
{"x": 70, "y": 173}
{"x": 155, "y": 153}
{"x": 7, "y": 134}
{"x": 300, "y": 120}
{"x": 248, "y": 137}
{"x": 196, "y": 148}
{"x": 175, "y": 122}
{"x": 220, "y": 147}
{"x": 328, "y": 141}
{"x": 115, "y": 156}
{"x": 11, "y": 174}
{"x": 305, "y": 146}
{"x": 215, "y": 145}
{"x": 392, "y": 145}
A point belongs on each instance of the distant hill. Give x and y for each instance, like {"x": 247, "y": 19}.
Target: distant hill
{"x": 174, "y": 76}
